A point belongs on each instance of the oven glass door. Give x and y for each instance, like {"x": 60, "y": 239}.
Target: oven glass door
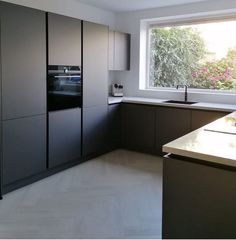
{"x": 64, "y": 87}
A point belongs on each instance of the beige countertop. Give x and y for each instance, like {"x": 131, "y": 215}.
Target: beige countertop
{"x": 215, "y": 142}
{"x": 161, "y": 102}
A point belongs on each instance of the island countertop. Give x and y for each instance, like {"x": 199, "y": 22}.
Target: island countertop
{"x": 215, "y": 142}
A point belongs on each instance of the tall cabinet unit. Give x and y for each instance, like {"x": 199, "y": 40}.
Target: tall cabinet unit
{"x": 95, "y": 87}
{"x": 64, "y": 124}
{"x": 23, "y": 71}
{"x": 64, "y": 40}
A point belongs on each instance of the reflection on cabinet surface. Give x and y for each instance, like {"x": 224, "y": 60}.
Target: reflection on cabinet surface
{"x": 201, "y": 118}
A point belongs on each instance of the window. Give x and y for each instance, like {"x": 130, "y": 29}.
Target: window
{"x": 199, "y": 54}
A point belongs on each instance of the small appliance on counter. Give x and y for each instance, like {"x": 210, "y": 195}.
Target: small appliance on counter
{"x": 117, "y": 90}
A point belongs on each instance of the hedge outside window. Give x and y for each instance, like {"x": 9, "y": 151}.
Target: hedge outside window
{"x": 202, "y": 55}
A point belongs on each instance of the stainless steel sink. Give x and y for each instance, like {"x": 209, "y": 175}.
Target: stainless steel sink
{"x": 180, "y": 102}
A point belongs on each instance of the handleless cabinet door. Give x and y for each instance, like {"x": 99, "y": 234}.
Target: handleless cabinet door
{"x": 139, "y": 127}
{"x": 95, "y": 64}
{"x": 64, "y": 136}
{"x": 171, "y": 123}
{"x": 94, "y": 129}
{"x": 23, "y": 49}
{"x": 24, "y": 148}
{"x": 64, "y": 40}
{"x": 122, "y": 51}
{"x": 114, "y": 125}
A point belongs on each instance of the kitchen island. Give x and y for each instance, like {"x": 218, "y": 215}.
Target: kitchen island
{"x": 199, "y": 182}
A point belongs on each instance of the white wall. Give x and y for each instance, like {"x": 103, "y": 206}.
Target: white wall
{"x": 72, "y": 8}
{"x": 130, "y": 22}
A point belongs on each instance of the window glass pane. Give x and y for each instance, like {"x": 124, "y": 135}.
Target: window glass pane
{"x": 203, "y": 56}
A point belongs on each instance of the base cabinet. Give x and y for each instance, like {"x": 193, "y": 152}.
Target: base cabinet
{"x": 138, "y": 127}
{"x": 114, "y": 125}
{"x": 24, "y": 148}
{"x": 64, "y": 136}
{"x": 171, "y": 123}
{"x": 198, "y": 200}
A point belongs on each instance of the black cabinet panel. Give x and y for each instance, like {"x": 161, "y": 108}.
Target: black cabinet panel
{"x": 201, "y": 118}
{"x": 114, "y": 125}
{"x": 95, "y": 64}
{"x": 171, "y": 123}
{"x": 64, "y": 40}
{"x": 64, "y": 136}
{"x": 24, "y": 148}
{"x": 95, "y": 88}
{"x": 198, "y": 201}
{"x": 139, "y": 127}
{"x": 94, "y": 129}
{"x": 23, "y": 49}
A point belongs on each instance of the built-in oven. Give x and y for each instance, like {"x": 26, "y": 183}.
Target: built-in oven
{"x": 64, "y": 87}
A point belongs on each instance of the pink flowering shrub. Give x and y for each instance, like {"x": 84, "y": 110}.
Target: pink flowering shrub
{"x": 220, "y": 75}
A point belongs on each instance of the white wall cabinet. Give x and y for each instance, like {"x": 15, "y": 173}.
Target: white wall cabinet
{"x": 119, "y": 51}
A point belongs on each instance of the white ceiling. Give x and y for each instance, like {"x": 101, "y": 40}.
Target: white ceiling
{"x": 134, "y": 5}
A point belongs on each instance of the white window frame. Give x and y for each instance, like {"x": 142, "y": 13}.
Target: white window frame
{"x": 145, "y": 27}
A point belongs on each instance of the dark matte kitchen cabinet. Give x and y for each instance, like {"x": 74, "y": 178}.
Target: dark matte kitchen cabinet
{"x": 138, "y": 127}
{"x": 198, "y": 200}
{"x": 23, "y": 61}
{"x": 171, "y": 123}
{"x": 64, "y": 136}
{"x": 95, "y": 88}
{"x": 114, "y": 125}
{"x": 64, "y": 40}
{"x": 201, "y": 118}
{"x": 95, "y": 64}
{"x": 95, "y": 129}
{"x": 24, "y": 148}
{"x": 119, "y": 51}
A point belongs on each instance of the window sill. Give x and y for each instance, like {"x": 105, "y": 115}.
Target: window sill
{"x": 190, "y": 90}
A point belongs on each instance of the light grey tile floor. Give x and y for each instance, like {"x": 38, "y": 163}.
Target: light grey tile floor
{"x": 117, "y": 195}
